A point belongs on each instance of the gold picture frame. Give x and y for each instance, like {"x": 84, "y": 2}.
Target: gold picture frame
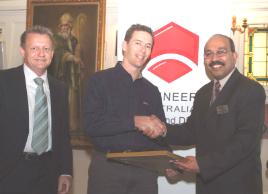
{"x": 86, "y": 19}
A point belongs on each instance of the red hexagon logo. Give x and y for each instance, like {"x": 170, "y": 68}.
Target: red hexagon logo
{"x": 173, "y": 39}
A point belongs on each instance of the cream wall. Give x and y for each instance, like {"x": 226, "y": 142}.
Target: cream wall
{"x": 264, "y": 158}
{"x": 13, "y": 22}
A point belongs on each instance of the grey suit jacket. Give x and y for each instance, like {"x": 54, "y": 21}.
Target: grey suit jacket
{"x": 14, "y": 122}
{"x": 227, "y": 137}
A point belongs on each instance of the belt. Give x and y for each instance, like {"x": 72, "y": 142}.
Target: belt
{"x": 35, "y": 156}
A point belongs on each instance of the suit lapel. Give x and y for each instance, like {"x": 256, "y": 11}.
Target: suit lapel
{"x": 53, "y": 100}
{"x": 205, "y": 100}
{"x": 229, "y": 88}
{"x": 226, "y": 93}
{"x": 18, "y": 95}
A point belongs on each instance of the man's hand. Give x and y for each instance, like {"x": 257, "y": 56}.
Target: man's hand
{"x": 151, "y": 126}
{"x": 64, "y": 184}
{"x": 190, "y": 165}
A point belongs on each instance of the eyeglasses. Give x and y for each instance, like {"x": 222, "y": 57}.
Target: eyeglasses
{"x": 219, "y": 53}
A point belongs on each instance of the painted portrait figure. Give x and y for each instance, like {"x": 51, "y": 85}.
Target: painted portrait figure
{"x": 67, "y": 65}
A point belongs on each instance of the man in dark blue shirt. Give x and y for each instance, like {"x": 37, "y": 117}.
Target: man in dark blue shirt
{"x": 119, "y": 114}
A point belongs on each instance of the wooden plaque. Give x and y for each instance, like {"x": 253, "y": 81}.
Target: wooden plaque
{"x": 157, "y": 161}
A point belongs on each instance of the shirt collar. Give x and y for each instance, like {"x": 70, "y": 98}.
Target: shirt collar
{"x": 30, "y": 75}
{"x": 121, "y": 69}
{"x": 225, "y": 79}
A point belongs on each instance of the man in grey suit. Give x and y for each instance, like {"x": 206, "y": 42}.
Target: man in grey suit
{"x": 225, "y": 128}
{"x": 27, "y": 167}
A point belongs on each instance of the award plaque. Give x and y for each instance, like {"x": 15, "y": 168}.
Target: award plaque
{"x": 157, "y": 161}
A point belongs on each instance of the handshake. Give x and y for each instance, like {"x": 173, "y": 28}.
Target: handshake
{"x": 150, "y": 126}
{"x": 153, "y": 127}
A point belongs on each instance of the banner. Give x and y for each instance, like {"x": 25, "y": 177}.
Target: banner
{"x": 181, "y": 29}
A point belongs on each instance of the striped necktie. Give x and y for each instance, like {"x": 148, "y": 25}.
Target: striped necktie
{"x": 216, "y": 91}
{"x": 40, "y": 126}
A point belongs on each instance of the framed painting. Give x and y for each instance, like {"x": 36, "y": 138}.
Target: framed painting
{"x": 79, "y": 28}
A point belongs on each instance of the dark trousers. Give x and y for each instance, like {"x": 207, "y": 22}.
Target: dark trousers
{"x": 106, "y": 177}
{"x": 31, "y": 175}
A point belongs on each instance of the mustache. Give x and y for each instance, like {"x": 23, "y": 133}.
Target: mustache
{"x": 216, "y": 63}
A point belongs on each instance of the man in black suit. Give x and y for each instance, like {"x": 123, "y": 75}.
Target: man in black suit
{"x": 226, "y": 129}
{"x": 23, "y": 169}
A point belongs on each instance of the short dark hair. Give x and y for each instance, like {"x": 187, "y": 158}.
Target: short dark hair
{"x": 137, "y": 27}
{"x": 232, "y": 45}
{"x": 37, "y": 29}
{"x": 231, "y": 42}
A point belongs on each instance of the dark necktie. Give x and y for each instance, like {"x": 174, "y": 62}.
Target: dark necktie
{"x": 40, "y": 126}
{"x": 216, "y": 91}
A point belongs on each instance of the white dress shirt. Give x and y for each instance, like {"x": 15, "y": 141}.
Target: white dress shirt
{"x": 31, "y": 90}
{"x": 225, "y": 79}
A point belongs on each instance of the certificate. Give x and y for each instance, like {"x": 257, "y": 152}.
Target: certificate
{"x": 157, "y": 161}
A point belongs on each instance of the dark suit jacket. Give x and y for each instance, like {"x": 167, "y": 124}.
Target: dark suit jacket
{"x": 14, "y": 122}
{"x": 227, "y": 137}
